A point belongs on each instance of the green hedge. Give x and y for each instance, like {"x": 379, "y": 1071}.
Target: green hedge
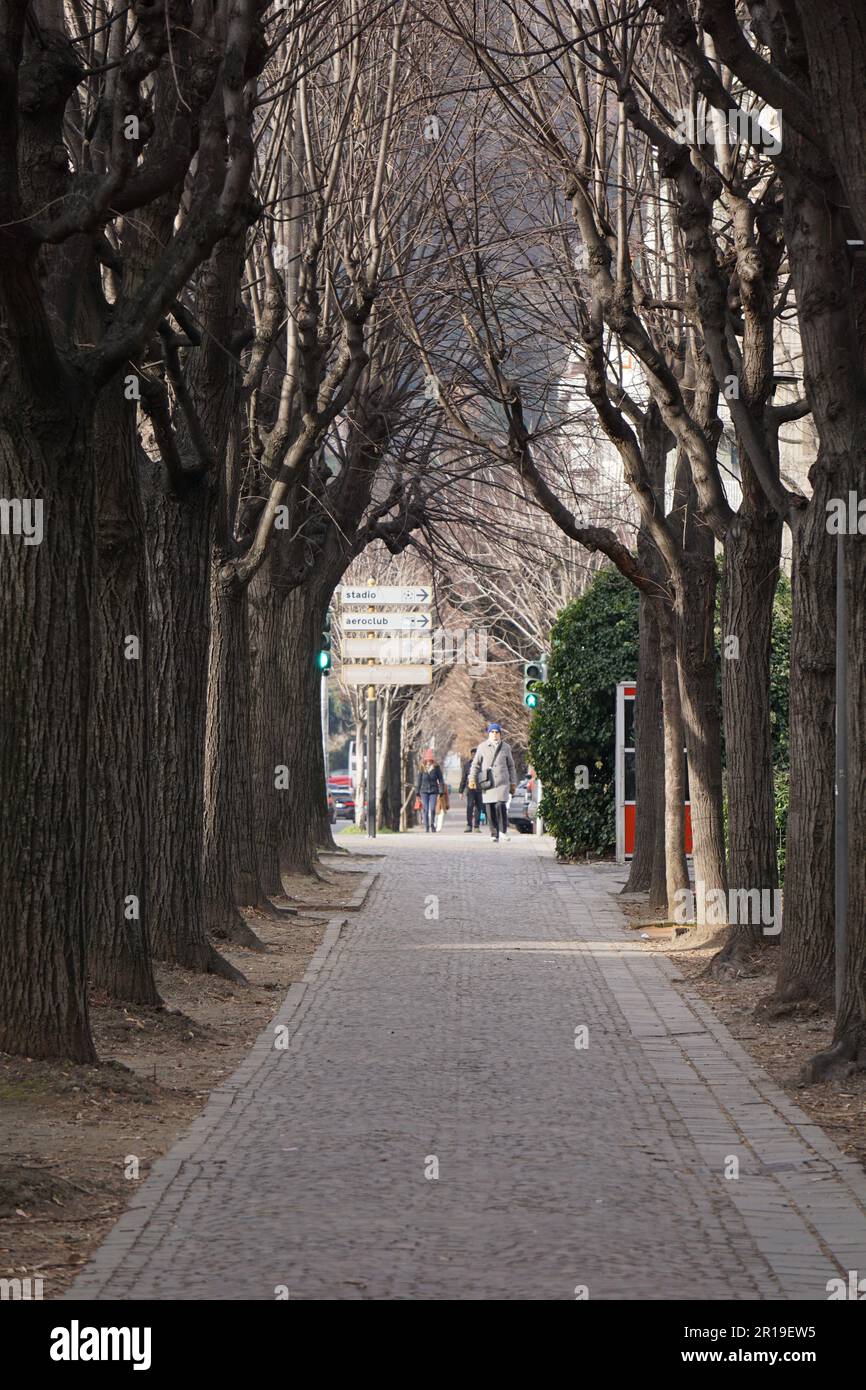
{"x": 594, "y": 644}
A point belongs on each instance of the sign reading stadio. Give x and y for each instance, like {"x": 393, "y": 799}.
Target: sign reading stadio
{"x": 387, "y": 593}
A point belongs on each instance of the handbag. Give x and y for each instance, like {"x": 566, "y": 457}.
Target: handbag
{"x": 488, "y": 782}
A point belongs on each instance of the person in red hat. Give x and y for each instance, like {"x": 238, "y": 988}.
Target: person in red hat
{"x": 428, "y": 788}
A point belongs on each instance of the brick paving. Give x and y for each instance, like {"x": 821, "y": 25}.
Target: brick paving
{"x": 419, "y": 1041}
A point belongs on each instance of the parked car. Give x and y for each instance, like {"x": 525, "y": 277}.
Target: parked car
{"x": 522, "y": 808}
{"x": 340, "y": 788}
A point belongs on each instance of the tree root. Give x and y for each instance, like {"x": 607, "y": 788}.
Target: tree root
{"x": 215, "y": 964}
{"x": 234, "y": 929}
{"x": 700, "y": 937}
{"x": 739, "y": 958}
{"x": 799, "y": 995}
{"x": 839, "y": 1060}
{"x": 272, "y": 912}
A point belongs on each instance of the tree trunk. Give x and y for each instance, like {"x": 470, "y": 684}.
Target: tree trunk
{"x": 850, "y": 1034}
{"x": 674, "y": 857}
{"x": 360, "y": 766}
{"x": 392, "y": 776}
{"x": 226, "y": 762}
{"x": 828, "y": 294}
{"x": 649, "y": 751}
{"x": 298, "y": 734}
{"x": 382, "y": 749}
{"x": 807, "y": 944}
{"x": 694, "y": 614}
{"x": 752, "y": 551}
{"x": 119, "y": 865}
{"x": 178, "y": 526}
{"x": 265, "y": 720}
{"x": 45, "y": 676}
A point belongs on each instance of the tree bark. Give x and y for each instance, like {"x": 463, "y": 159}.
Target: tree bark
{"x": 674, "y": 857}
{"x": 831, "y": 306}
{"x": 752, "y": 552}
{"x": 649, "y": 751}
{"x": 45, "y": 677}
{"x": 226, "y": 783}
{"x": 178, "y": 524}
{"x": 392, "y": 775}
{"x": 119, "y": 879}
{"x": 297, "y": 738}
{"x": 694, "y": 614}
{"x": 807, "y": 945}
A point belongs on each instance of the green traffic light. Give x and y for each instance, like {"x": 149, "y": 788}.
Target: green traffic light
{"x": 323, "y": 661}
{"x": 531, "y": 700}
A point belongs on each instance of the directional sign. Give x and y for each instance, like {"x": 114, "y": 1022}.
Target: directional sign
{"x": 385, "y": 593}
{"x": 387, "y": 675}
{"x": 395, "y": 648}
{"x": 387, "y": 622}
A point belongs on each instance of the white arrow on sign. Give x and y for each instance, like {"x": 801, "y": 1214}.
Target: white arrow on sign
{"x": 394, "y": 648}
{"x": 386, "y": 622}
{"x": 386, "y": 675}
{"x": 387, "y": 593}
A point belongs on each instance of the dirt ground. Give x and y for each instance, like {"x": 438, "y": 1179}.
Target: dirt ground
{"x": 781, "y": 1044}
{"x": 72, "y": 1138}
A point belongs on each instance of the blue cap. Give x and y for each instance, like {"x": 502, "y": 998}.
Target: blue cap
{"x": 494, "y": 728}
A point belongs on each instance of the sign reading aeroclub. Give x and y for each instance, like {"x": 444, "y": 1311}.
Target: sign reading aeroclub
{"x": 387, "y": 622}
{"x": 387, "y": 593}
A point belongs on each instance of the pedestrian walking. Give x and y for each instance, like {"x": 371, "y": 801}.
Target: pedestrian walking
{"x": 494, "y": 774}
{"x": 474, "y": 804}
{"x": 428, "y": 788}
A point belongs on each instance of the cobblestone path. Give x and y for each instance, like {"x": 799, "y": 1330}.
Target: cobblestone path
{"x": 426, "y": 1043}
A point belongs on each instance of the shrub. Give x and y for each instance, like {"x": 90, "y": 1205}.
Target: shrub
{"x": 594, "y": 644}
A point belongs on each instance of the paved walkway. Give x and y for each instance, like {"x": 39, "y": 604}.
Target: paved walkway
{"x": 421, "y": 1041}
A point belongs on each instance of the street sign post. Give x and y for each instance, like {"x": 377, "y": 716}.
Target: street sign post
{"x": 386, "y": 593}
{"x": 372, "y": 719}
{"x": 387, "y": 622}
{"x": 387, "y": 675}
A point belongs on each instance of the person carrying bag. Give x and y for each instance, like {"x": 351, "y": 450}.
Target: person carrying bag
{"x": 494, "y": 773}
{"x": 428, "y": 789}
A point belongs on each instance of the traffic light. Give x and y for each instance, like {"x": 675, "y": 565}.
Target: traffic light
{"x": 323, "y": 657}
{"x": 534, "y": 675}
